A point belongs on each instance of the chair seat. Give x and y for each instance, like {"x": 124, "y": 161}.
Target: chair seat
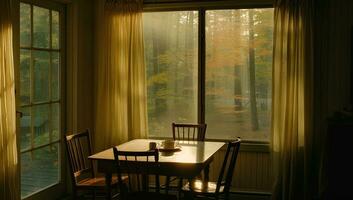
{"x": 150, "y": 196}
{"x": 198, "y": 187}
{"x": 97, "y": 181}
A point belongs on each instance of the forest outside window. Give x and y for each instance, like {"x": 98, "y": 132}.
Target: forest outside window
{"x": 171, "y": 40}
{"x": 236, "y": 85}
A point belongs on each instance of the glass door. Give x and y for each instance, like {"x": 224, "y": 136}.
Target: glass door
{"x": 40, "y": 97}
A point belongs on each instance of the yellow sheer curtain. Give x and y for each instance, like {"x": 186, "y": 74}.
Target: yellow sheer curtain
{"x": 292, "y": 99}
{"x": 120, "y": 73}
{"x": 9, "y": 182}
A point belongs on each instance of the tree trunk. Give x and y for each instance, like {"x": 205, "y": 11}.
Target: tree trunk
{"x": 158, "y": 49}
{"x": 189, "y": 48}
{"x": 253, "y": 107}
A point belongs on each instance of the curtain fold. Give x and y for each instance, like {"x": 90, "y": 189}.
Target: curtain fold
{"x": 120, "y": 104}
{"x": 9, "y": 181}
{"x": 292, "y": 115}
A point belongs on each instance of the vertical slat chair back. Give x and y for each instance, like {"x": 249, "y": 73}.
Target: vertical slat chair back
{"x": 226, "y": 174}
{"x": 190, "y": 132}
{"x": 78, "y": 148}
{"x": 134, "y": 165}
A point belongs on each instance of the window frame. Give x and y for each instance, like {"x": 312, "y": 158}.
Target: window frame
{"x": 201, "y": 7}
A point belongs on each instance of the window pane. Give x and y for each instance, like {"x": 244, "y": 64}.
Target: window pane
{"x": 55, "y": 91}
{"x": 41, "y": 76}
{"x": 25, "y": 128}
{"x": 41, "y": 27}
{"x": 238, "y": 73}
{"x": 39, "y": 169}
{"x": 55, "y": 121}
{"x": 55, "y": 30}
{"x": 25, "y": 76}
{"x": 25, "y": 24}
{"x": 171, "y": 68}
{"x": 41, "y": 124}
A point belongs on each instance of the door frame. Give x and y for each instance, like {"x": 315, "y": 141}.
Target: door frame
{"x": 58, "y": 188}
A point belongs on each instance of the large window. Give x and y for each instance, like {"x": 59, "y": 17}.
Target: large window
{"x": 227, "y": 85}
{"x": 40, "y": 98}
{"x": 238, "y": 73}
{"x": 171, "y": 40}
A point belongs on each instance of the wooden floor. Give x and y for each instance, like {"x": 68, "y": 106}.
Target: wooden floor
{"x": 234, "y": 196}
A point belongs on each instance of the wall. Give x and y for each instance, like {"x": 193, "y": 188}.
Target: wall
{"x": 80, "y": 81}
{"x": 253, "y": 172}
{"x": 79, "y": 68}
{"x": 332, "y": 40}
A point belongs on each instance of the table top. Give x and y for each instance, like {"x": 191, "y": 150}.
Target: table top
{"x": 192, "y": 152}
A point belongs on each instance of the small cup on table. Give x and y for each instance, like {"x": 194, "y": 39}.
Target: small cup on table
{"x": 169, "y": 144}
{"x": 153, "y": 145}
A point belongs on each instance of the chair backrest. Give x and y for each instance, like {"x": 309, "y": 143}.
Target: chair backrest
{"x": 230, "y": 158}
{"x": 138, "y": 166}
{"x": 78, "y": 147}
{"x": 191, "y": 132}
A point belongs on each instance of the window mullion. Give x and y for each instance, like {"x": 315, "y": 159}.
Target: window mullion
{"x": 201, "y": 66}
{"x": 31, "y": 71}
{"x": 50, "y": 74}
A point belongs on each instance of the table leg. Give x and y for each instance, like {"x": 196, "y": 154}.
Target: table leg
{"x": 108, "y": 185}
{"x": 145, "y": 182}
{"x": 206, "y": 173}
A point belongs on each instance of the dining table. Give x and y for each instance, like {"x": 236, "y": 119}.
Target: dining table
{"x": 188, "y": 161}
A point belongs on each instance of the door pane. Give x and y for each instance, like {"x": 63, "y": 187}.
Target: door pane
{"x": 41, "y": 76}
{"x": 25, "y": 23}
{"x": 41, "y": 27}
{"x": 25, "y": 76}
{"x": 41, "y": 124}
{"x": 55, "y": 121}
{"x": 55, "y": 75}
{"x": 39, "y": 169}
{"x": 25, "y": 128}
{"x": 55, "y": 29}
{"x": 171, "y": 68}
{"x": 238, "y": 73}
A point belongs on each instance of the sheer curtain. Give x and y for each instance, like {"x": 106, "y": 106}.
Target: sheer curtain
{"x": 293, "y": 100}
{"x": 120, "y": 73}
{"x": 9, "y": 182}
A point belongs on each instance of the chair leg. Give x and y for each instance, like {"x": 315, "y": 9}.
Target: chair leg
{"x": 94, "y": 195}
{"x": 180, "y": 186}
{"x": 74, "y": 194}
{"x": 226, "y": 196}
{"x": 188, "y": 195}
{"x": 167, "y": 180}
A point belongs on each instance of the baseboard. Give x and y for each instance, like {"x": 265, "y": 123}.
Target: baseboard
{"x": 250, "y": 195}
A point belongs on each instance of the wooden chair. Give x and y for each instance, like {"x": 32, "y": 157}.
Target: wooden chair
{"x": 190, "y": 132}
{"x": 138, "y": 175}
{"x": 222, "y": 186}
{"x": 78, "y": 147}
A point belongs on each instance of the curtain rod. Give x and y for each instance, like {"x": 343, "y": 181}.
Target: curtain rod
{"x": 208, "y": 1}
{"x": 159, "y": 5}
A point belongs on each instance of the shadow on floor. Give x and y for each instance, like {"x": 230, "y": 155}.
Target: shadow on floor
{"x": 234, "y": 196}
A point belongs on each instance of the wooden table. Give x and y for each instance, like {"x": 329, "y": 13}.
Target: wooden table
{"x": 188, "y": 163}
